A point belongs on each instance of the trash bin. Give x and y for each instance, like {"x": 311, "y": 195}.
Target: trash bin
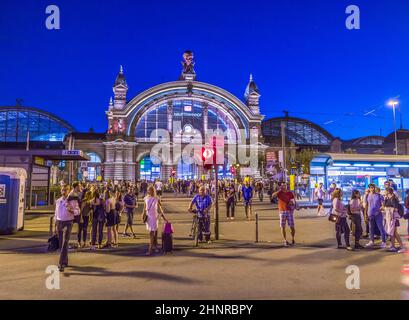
{"x": 12, "y": 194}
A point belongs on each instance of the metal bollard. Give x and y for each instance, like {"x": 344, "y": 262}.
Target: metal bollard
{"x": 35, "y": 201}
{"x": 256, "y": 227}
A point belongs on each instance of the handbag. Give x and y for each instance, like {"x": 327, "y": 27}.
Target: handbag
{"x": 333, "y": 218}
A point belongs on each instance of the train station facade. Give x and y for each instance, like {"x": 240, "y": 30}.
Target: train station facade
{"x": 173, "y": 114}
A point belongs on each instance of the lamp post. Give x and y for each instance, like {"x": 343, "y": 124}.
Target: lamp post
{"x": 393, "y": 104}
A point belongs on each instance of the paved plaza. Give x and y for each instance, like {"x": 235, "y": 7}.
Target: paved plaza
{"x": 235, "y": 267}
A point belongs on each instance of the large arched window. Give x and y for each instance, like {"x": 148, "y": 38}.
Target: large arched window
{"x": 189, "y": 117}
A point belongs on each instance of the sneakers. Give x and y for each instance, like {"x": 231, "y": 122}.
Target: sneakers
{"x": 358, "y": 246}
{"x": 402, "y": 250}
{"x": 349, "y": 248}
{"x": 286, "y": 243}
{"x": 92, "y": 248}
{"x": 393, "y": 249}
{"x": 383, "y": 245}
{"x": 369, "y": 244}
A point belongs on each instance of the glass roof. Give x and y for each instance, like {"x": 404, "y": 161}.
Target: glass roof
{"x": 15, "y": 124}
{"x": 298, "y": 131}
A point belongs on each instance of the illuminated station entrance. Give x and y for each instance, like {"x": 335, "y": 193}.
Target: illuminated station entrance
{"x": 184, "y": 111}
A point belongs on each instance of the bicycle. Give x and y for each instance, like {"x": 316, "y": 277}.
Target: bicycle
{"x": 198, "y": 222}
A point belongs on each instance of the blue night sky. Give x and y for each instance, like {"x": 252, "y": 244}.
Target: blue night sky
{"x": 303, "y": 58}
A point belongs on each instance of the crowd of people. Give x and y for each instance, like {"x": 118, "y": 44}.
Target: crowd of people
{"x": 98, "y": 209}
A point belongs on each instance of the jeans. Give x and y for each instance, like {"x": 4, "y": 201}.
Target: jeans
{"x": 342, "y": 227}
{"x": 97, "y": 226}
{"x": 230, "y": 208}
{"x": 356, "y": 226}
{"x": 204, "y": 224}
{"x": 260, "y": 195}
{"x": 376, "y": 221}
{"x": 64, "y": 238}
{"x": 83, "y": 230}
{"x": 247, "y": 207}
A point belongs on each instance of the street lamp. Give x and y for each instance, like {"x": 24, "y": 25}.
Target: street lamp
{"x": 393, "y": 103}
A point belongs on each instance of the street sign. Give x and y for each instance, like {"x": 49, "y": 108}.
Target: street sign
{"x": 72, "y": 153}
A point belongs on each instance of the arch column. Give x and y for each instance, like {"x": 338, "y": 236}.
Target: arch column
{"x": 119, "y": 160}
{"x": 205, "y": 118}
{"x": 170, "y": 116}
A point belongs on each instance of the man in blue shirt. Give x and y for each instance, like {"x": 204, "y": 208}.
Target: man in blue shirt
{"x": 247, "y": 192}
{"x": 373, "y": 204}
{"x": 203, "y": 203}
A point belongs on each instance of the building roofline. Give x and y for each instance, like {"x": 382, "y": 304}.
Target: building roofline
{"x": 47, "y": 113}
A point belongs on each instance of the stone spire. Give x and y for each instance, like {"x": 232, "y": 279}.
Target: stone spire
{"x": 120, "y": 89}
{"x": 252, "y": 96}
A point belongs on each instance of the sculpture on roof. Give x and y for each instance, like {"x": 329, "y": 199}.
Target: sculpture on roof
{"x": 188, "y": 62}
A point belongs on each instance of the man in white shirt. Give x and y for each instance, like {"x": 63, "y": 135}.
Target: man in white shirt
{"x": 319, "y": 195}
{"x": 64, "y": 218}
{"x": 158, "y": 187}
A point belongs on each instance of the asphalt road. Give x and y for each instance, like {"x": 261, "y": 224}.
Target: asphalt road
{"x": 235, "y": 267}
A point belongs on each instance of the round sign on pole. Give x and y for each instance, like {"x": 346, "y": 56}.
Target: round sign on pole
{"x": 208, "y": 153}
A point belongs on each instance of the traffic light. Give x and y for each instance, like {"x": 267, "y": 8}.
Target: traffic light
{"x": 207, "y": 157}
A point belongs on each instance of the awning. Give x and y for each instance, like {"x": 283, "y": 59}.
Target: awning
{"x": 75, "y": 155}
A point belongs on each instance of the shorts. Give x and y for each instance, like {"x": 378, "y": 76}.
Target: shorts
{"x": 129, "y": 219}
{"x": 320, "y": 202}
{"x": 247, "y": 202}
{"x": 110, "y": 219}
{"x": 159, "y": 193}
{"x": 287, "y": 217}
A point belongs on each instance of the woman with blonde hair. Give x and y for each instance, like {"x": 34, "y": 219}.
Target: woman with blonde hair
{"x": 341, "y": 226}
{"x": 150, "y": 217}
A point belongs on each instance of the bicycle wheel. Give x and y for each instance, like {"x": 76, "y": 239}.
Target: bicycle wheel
{"x": 196, "y": 233}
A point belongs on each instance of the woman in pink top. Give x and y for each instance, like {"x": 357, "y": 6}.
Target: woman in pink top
{"x": 356, "y": 208}
{"x": 341, "y": 226}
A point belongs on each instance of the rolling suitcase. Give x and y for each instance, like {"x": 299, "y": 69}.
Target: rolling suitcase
{"x": 167, "y": 238}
